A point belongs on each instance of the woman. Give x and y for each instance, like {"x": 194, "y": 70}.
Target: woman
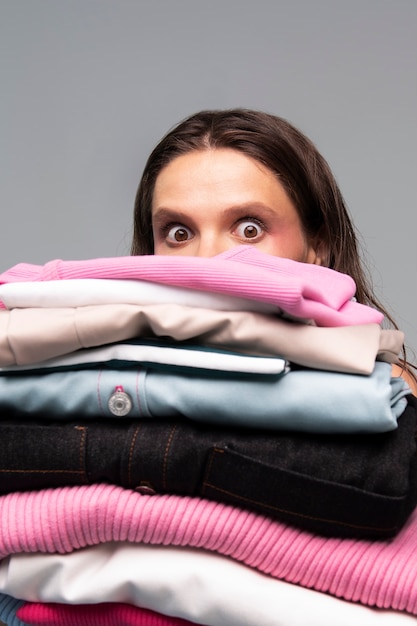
{"x": 229, "y": 177}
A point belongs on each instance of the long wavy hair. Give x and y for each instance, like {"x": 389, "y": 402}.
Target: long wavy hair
{"x": 293, "y": 159}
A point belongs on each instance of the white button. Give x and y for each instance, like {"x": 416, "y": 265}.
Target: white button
{"x": 120, "y": 403}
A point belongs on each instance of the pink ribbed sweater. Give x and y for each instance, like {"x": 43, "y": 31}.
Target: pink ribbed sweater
{"x": 105, "y": 614}
{"x": 380, "y": 574}
{"x": 303, "y": 290}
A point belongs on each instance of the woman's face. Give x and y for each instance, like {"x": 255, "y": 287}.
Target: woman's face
{"x": 208, "y": 201}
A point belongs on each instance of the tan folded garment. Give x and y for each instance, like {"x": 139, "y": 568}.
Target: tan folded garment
{"x": 36, "y": 334}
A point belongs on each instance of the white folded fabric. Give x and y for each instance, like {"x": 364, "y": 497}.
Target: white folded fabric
{"x": 149, "y": 354}
{"x": 91, "y": 291}
{"x": 202, "y": 587}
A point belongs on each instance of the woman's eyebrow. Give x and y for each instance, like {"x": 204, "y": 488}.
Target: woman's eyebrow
{"x": 163, "y": 214}
{"x": 249, "y": 208}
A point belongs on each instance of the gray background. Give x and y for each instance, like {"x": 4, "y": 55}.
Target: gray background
{"x": 89, "y": 86}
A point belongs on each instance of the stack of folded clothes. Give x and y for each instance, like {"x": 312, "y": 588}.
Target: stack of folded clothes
{"x": 202, "y": 441}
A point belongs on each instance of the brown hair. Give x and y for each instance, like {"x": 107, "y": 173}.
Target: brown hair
{"x": 292, "y": 157}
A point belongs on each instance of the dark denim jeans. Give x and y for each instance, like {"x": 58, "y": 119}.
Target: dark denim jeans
{"x": 356, "y": 485}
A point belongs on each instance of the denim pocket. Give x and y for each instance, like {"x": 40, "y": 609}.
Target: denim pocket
{"x": 311, "y": 503}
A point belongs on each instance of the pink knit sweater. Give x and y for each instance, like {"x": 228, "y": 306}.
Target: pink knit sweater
{"x": 302, "y": 290}
{"x": 380, "y": 574}
{"x": 105, "y": 614}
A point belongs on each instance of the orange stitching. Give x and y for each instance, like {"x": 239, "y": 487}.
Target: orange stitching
{"x": 82, "y": 450}
{"x": 57, "y": 471}
{"x": 164, "y": 470}
{"x": 209, "y": 466}
{"x": 132, "y": 445}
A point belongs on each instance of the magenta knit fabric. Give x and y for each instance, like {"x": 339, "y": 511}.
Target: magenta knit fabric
{"x": 375, "y": 573}
{"x": 105, "y": 614}
{"x": 302, "y": 290}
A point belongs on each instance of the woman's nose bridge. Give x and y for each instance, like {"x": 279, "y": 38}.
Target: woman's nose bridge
{"x": 210, "y": 244}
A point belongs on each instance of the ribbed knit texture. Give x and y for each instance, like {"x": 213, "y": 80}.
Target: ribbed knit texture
{"x": 304, "y": 290}
{"x": 8, "y": 611}
{"x": 60, "y": 520}
{"x": 105, "y": 614}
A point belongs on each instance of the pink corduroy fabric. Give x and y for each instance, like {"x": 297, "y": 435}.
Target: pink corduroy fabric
{"x": 374, "y": 573}
{"x": 105, "y": 614}
{"x": 302, "y": 290}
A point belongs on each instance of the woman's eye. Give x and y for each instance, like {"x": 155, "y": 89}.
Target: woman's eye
{"x": 249, "y": 230}
{"x": 178, "y": 234}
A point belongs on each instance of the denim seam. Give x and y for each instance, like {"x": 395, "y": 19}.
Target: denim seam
{"x": 81, "y": 471}
{"x": 208, "y": 470}
{"x": 131, "y": 449}
{"x": 83, "y": 468}
{"x": 165, "y": 463}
